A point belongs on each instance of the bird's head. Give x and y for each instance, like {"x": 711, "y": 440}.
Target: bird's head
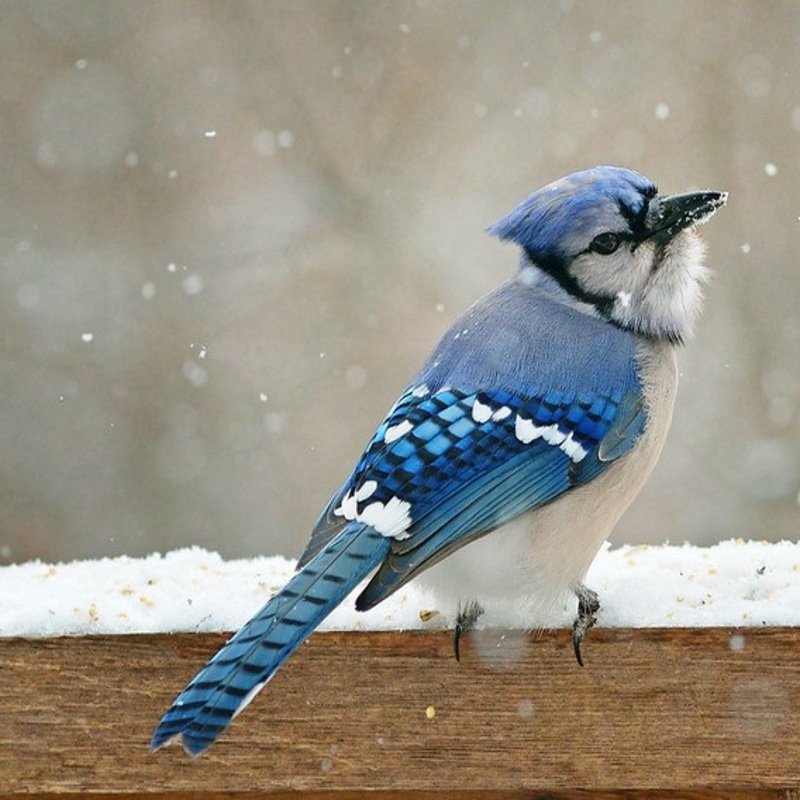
{"x": 613, "y": 242}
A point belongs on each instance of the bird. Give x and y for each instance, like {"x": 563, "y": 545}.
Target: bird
{"x": 513, "y": 452}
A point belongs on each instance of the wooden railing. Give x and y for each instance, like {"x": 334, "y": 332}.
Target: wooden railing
{"x": 667, "y": 713}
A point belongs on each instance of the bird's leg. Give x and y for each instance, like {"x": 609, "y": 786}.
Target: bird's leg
{"x": 466, "y": 617}
{"x": 588, "y": 606}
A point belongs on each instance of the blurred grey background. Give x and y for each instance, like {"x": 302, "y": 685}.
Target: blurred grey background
{"x": 230, "y": 231}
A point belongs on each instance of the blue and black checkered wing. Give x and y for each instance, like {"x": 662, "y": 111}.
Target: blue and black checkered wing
{"x": 448, "y": 466}
{"x": 329, "y": 524}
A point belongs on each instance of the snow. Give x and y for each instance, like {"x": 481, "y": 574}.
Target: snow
{"x": 734, "y": 583}
{"x": 192, "y": 285}
{"x": 285, "y": 139}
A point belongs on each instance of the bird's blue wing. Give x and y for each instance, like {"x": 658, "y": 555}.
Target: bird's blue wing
{"x": 448, "y": 466}
{"x": 329, "y": 524}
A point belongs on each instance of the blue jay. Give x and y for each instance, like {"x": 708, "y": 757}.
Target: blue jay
{"x": 537, "y": 418}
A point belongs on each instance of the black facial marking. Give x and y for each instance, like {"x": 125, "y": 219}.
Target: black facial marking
{"x": 557, "y": 270}
{"x": 605, "y": 243}
{"x": 637, "y": 219}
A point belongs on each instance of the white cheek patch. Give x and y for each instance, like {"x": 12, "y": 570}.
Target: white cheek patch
{"x": 655, "y": 290}
{"x": 526, "y": 431}
{"x": 621, "y": 275}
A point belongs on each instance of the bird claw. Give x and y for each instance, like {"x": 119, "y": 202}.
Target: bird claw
{"x": 466, "y": 618}
{"x": 588, "y": 606}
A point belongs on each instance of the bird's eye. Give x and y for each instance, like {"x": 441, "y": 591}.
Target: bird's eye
{"x": 605, "y": 243}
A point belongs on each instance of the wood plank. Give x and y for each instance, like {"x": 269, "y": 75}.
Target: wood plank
{"x": 655, "y": 713}
{"x": 636, "y": 794}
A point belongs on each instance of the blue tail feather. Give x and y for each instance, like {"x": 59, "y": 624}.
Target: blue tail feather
{"x": 250, "y": 658}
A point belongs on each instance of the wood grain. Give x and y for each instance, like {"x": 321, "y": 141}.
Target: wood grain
{"x": 655, "y": 713}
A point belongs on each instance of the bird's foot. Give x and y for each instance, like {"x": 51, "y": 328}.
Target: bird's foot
{"x": 466, "y": 618}
{"x": 588, "y": 606}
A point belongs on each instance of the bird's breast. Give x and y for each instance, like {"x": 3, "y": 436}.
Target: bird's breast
{"x": 525, "y": 569}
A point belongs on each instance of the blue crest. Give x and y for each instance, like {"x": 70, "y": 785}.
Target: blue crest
{"x": 564, "y": 214}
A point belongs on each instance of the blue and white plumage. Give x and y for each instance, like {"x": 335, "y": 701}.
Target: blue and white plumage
{"x": 538, "y": 417}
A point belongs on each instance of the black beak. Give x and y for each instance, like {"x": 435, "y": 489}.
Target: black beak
{"x": 667, "y": 216}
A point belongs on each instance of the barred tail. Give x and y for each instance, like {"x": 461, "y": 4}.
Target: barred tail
{"x": 241, "y": 668}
